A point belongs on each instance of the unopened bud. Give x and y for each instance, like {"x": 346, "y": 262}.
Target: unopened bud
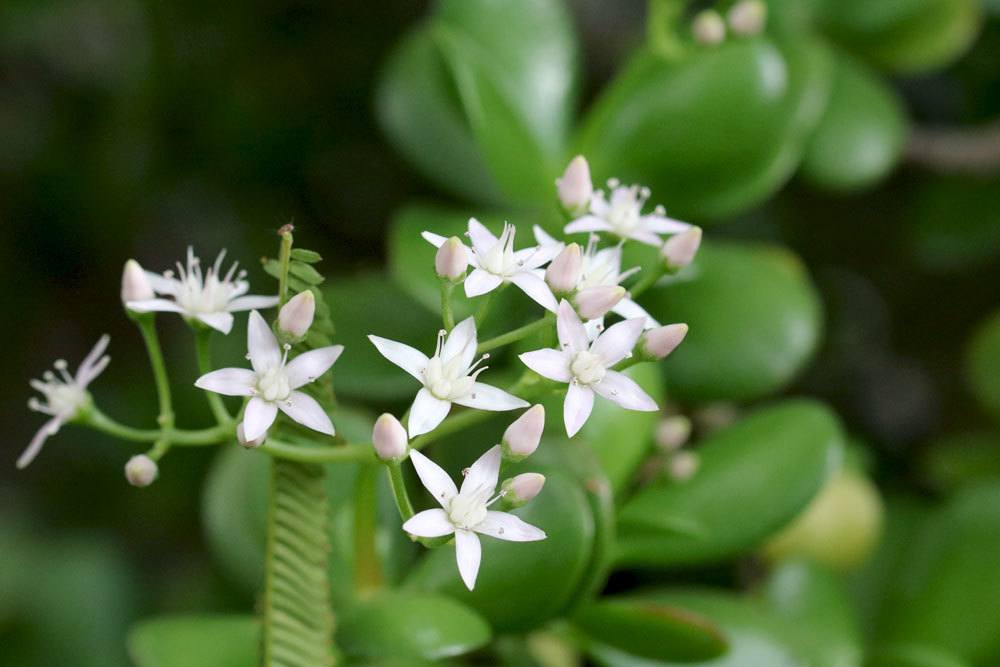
{"x": 140, "y": 470}
{"x": 452, "y": 259}
{"x": 679, "y": 250}
{"x": 708, "y": 27}
{"x": 673, "y": 432}
{"x": 521, "y": 438}
{"x": 595, "y": 302}
{"x": 574, "y": 187}
{"x": 747, "y": 17}
{"x": 296, "y": 316}
{"x": 522, "y": 488}
{"x": 661, "y": 341}
{"x": 683, "y": 466}
{"x": 389, "y": 438}
{"x": 249, "y": 444}
{"x": 565, "y": 270}
{"x": 135, "y": 283}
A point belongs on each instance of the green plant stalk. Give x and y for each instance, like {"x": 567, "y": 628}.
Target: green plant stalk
{"x": 484, "y": 308}
{"x": 399, "y": 492}
{"x": 147, "y": 326}
{"x": 367, "y": 569}
{"x": 285, "y": 262}
{"x": 662, "y": 21}
{"x": 447, "y": 315}
{"x": 513, "y": 336}
{"x": 203, "y": 347}
{"x": 647, "y": 280}
{"x": 99, "y": 421}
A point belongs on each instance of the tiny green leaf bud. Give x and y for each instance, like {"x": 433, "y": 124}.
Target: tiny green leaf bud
{"x": 249, "y": 444}
{"x": 708, "y": 27}
{"x": 140, "y": 470}
{"x": 673, "y": 432}
{"x": 595, "y": 302}
{"x": 389, "y": 438}
{"x": 679, "y": 250}
{"x": 566, "y": 269}
{"x": 452, "y": 259}
{"x": 296, "y": 316}
{"x": 661, "y": 341}
{"x": 747, "y": 17}
{"x": 521, "y": 438}
{"x": 575, "y": 187}
{"x": 135, "y": 284}
{"x": 522, "y": 488}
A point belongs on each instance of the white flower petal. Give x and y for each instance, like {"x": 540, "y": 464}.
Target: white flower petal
{"x": 426, "y": 413}
{"x": 624, "y": 391}
{"x": 536, "y": 288}
{"x": 304, "y": 409}
{"x": 258, "y": 417}
{"x": 429, "y": 523}
{"x": 262, "y": 346}
{"x": 617, "y": 341}
{"x": 308, "y": 366}
{"x": 163, "y": 285}
{"x": 251, "y": 302}
{"x": 461, "y": 342}
{"x": 577, "y": 407}
{"x": 629, "y": 309}
{"x": 543, "y": 238}
{"x": 468, "y": 553}
{"x": 229, "y": 381}
{"x": 663, "y": 225}
{"x": 480, "y": 282}
{"x": 645, "y": 236}
{"x": 549, "y": 363}
{"x": 572, "y": 335}
{"x": 91, "y": 359}
{"x": 221, "y": 322}
{"x": 488, "y": 397}
{"x": 594, "y": 328}
{"x": 434, "y": 478}
{"x": 483, "y": 239}
{"x": 485, "y": 472}
{"x": 587, "y": 223}
{"x": 506, "y": 526}
{"x": 48, "y": 429}
{"x": 154, "y": 306}
{"x": 87, "y": 375}
{"x": 435, "y": 240}
{"x": 411, "y": 360}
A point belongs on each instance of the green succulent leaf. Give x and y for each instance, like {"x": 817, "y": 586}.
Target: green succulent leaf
{"x": 195, "y": 641}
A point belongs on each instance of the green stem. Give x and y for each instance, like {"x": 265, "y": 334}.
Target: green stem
{"x": 367, "y": 570}
{"x": 512, "y": 336}
{"x": 147, "y": 326}
{"x": 99, "y": 421}
{"x": 350, "y": 453}
{"x": 203, "y": 346}
{"x": 484, "y": 308}
{"x": 662, "y": 22}
{"x": 647, "y": 281}
{"x": 285, "y": 262}
{"x": 447, "y": 315}
{"x": 399, "y": 492}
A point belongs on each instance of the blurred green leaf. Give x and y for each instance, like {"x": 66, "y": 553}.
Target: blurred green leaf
{"x": 754, "y": 318}
{"x": 958, "y": 459}
{"x": 754, "y": 478}
{"x": 955, "y": 223}
{"x": 912, "y": 655}
{"x": 195, "y": 641}
{"x": 982, "y": 365}
{"x": 861, "y": 135}
{"x": 412, "y": 626}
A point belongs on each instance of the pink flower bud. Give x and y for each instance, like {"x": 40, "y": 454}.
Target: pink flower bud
{"x": 389, "y": 438}
{"x": 661, "y": 341}
{"x": 522, "y": 488}
{"x": 521, "y": 438}
{"x": 296, "y": 316}
{"x": 595, "y": 302}
{"x": 141, "y": 470}
{"x": 566, "y": 269}
{"x": 673, "y": 432}
{"x": 708, "y": 27}
{"x": 135, "y": 284}
{"x": 575, "y": 188}
{"x": 679, "y": 250}
{"x": 249, "y": 444}
{"x": 452, "y": 259}
{"x": 748, "y": 17}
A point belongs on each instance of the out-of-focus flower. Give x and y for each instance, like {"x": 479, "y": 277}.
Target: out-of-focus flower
{"x": 135, "y": 284}
{"x": 621, "y": 215}
{"x": 708, "y": 27}
{"x": 747, "y": 17}
{"x": 679, "y": 250}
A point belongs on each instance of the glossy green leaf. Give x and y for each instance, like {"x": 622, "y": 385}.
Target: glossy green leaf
{"x": 753, "y": 479}
{"x": 195, "y": 641}
{"x": 814, "y": 601}
{"x": 861, "y": 135}
{"x": 649, "y": 629}
{"x": 947, "y": 591}
{"x": 754, "y": 317}
{"x": 410, "y": 625}
{"x": 982, "y": 365}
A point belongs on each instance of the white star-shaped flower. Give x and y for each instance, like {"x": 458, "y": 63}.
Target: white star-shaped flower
{"x": 622, "y": 215}
{"x": 586, "y": 367}
{"x": 495, "y": 262}
{"x": 448, "y": 377}
{"x": 602, "y": 268}
{"x": 65, "y": 395}
{"x": 206, "y": 296}
{"x": 467, "y": 512}
{"x": 273, "y": 382}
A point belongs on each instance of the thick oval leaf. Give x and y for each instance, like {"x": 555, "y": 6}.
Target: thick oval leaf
{"x": 522, "y": 584}
{"x": 409, "y": 625}
{"x": 947, "y": 590}
{"x": 754, "y": 318}
{"x": 753, "y": 479}
{"x": 815, "y": 603}
{"x": 195, "y": 641}
{"x": 861, "y": 135}
{"x": 982, "y": 365}
{"x": 649, "y": 629}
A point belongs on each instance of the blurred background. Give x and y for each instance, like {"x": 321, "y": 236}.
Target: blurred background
{"x": 135, "y": 129}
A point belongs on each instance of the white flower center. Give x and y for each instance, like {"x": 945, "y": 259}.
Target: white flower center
{"x": 450, "y": 380}
{"x": 467, "y": 510}
{"x": 273, "y": 385}
{"x": 206, "y": 292}
{"x": 587, "y": 368}
{"x": 65, "y": 398}
{"x": 499, "y": 260}
{"x": 63, "y": 395}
